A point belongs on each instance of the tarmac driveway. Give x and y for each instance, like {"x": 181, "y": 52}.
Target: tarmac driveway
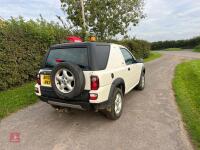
{"x": 150, "y": 120}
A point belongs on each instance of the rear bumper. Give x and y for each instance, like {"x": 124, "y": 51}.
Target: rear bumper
{"x": 75, "y": 104}
{"x": 47, "y": 94}
{"x": 79, "y": 104}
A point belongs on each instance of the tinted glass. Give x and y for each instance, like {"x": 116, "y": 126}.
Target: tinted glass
{"x": 77, "y": 56}
{"x": 127, "y": 56}
{"x": 101, "y": 56}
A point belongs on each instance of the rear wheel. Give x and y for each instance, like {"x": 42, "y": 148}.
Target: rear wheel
{"x": 115, "y": 111}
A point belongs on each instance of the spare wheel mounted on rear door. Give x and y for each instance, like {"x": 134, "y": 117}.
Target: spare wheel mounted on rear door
{"x": 67, "y": 80}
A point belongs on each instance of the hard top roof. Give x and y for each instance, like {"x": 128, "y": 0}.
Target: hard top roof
{"x": 78, "y": 44}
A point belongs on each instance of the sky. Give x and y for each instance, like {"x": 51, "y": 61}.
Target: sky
{"x": 165, "y": 19}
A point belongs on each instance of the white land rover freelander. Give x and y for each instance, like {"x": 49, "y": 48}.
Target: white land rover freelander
{"x": 89, "y": 75}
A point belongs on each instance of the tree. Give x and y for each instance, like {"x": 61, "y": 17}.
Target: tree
{"x": 106, "y": 18}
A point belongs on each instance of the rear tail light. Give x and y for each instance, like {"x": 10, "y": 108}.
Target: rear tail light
{"x": 94, "y": 82}
{"x": 38, "y": 79}
{"x": 93, "y": 96}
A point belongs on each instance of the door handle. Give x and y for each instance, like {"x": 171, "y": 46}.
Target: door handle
{"x": 129, "y": 69}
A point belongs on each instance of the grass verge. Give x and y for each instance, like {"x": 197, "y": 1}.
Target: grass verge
{"x": 16, "y": 98}
{"x": 152, "y": 56}
{"x": 186, "y": 85}
{"x": 173, "y": 49}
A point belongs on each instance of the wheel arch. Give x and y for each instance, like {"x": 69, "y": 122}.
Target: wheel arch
{"x": 119, "y": 83}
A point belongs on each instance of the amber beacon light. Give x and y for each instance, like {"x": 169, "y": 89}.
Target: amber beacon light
{"x": 92, "y": 38}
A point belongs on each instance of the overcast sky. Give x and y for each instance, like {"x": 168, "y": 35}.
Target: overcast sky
{"x": 166, "y": 19}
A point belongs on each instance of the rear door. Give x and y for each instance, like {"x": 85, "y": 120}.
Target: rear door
{"x": 131, "y": 67}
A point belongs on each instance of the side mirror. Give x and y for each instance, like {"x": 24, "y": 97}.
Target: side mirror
{"x": 140, "y": 60}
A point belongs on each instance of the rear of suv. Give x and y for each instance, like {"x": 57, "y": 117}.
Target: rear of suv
{"x": 89, "y": 75}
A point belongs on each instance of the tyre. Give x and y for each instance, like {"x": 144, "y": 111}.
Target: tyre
{"x": 67, "y": 80}
{"x": 116, "y": 105}
{"x": 141, "y": 84}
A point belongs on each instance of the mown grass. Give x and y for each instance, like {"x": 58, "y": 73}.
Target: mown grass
{"x": 173, "y": 49}
{"x": 17, "y": 98}
{"x": 186, "y": 85}
{"x": 152, "y": 56}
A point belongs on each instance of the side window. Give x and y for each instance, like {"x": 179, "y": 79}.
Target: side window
{"x": 101, "y": 56}
{"x": 127, "y": 57}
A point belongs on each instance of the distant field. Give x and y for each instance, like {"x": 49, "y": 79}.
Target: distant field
{"x": 173, "y": 49}
{"x": 152, "y": 56}
{"x": 197, "y": 49}
{"x": 186, "y": 85}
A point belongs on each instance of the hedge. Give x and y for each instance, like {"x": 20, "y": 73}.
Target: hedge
{"x": 190, "y": 43}
{"x": 22, "y": 47}
{"x": 139, "y": 48}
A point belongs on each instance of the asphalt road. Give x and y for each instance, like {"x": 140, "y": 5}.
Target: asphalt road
{"x": 150, "y": 120}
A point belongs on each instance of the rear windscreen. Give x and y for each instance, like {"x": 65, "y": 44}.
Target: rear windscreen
{"x": 77, "y": 56}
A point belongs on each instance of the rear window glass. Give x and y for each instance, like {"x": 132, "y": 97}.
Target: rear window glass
{"x": 77, "y": 56}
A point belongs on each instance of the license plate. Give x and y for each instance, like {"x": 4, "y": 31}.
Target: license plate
{"x": 46, "y": 81}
